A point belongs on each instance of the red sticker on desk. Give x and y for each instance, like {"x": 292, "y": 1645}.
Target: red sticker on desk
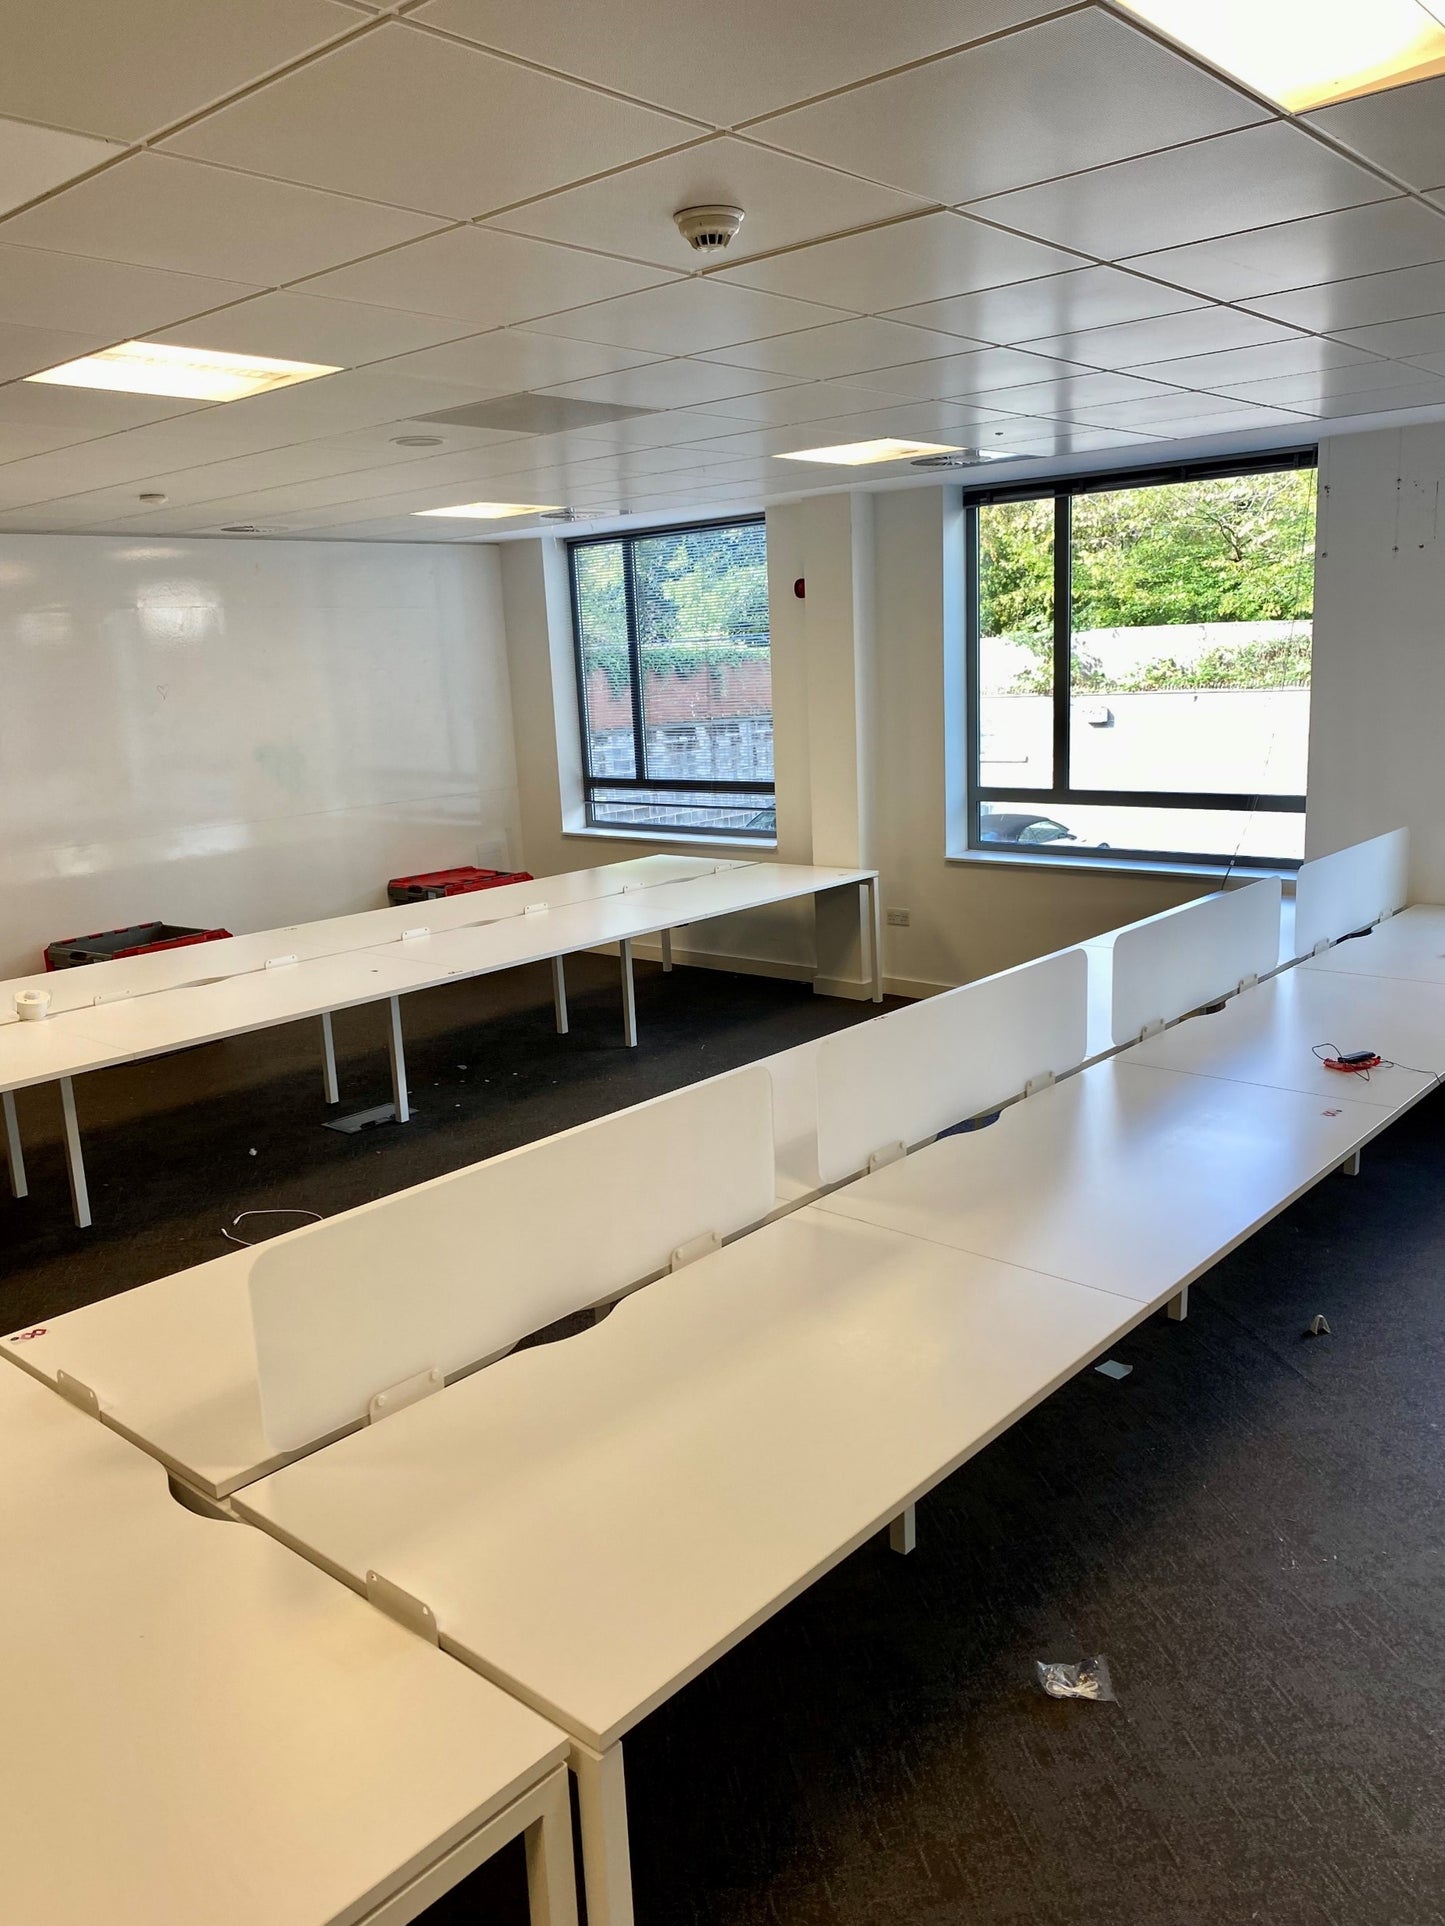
{"x": 1332, "y": 1113}
{"x": 21, "y": 1337}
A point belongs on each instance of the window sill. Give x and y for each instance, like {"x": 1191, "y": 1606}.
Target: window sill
{"x": 672, "y": 837}
{"x": 1122, "y": 866}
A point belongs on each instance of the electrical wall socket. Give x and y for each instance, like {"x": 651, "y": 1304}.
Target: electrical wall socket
{"x": 898, "y": 919}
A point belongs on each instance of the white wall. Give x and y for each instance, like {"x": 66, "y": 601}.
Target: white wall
{"x": 1378, "y": 715}
{"x": 242, "y": 733}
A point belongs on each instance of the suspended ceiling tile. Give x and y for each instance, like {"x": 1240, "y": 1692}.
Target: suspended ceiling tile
{"x": 128, "y": 71}
{"x": 1378, "y": 401}
{"x": 1091, "y": 297}
{"x": 36, "y": 160}
{"x": 484, "y": 277}
{"x": 687, "y": 317}
{"x": 1297, "y": 254}
{"x": 1164, "y": 404}
{"x": 158, "y": 211}
{"x": 730, "y": 63}
{"x": 1198, "y": 331}
{"x": 422, "y": 122}
{"x": 1069, "y": 93}
{"x": 689, "y": 423}
{"x": 1303, "y": 355}
{"x": 1396, "y": 296}
{"x": 813, "y": 401}
{"x": 25, "y": 351}
{"x": 509, "y": 360}
{"x": 1299, "y": 390}
{"x": 1402, "y": 130}
{"x": 83, "y": 414}
{"x": 952, "y": 376}
{"x": 1065, "y": 393}
{"x": 784, "y": 200}
{"x": 1257, "y": 176}
{"x": 670, "y": 384}
{"x": 924, "y": 259}
{"x": 841, "y": 348}
{"x": 357, "y": 398}
{"x": 42, "y": 289}
{"x": 1407, "y": 340}
{"x": 298, "y": 327}
{"x": 1239, "y": 421}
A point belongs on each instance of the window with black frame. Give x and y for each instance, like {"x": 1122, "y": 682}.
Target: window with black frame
{"x": 674, "y": 673}
{"x": 1139, "y": 664}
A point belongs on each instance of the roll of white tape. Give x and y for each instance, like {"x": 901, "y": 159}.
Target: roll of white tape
{"x": 31, "y": 1005}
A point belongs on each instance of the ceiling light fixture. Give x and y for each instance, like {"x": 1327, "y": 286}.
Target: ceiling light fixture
{"x": 493, "y": 511}
{"x": 1307, "y": 53}
{"x": 188, "y": 374}
{"x": 857, "y": 454}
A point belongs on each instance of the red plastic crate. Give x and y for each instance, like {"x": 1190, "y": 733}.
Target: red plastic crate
{"x": 450, "y": 882}
{"x": 135, "y": 939}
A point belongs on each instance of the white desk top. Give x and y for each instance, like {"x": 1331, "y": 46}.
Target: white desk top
{"x": 595, "y": 1521}
{"x": 201, "y": 1727}
{"x": 1409, "y": 947}
{"x": 1125, "y": 1178}
{"x": 1267, "y": 1034}
{"x": 173, "y": 1366}
{"x": 139, "y": 1025}
{"x": 331, "y": 936}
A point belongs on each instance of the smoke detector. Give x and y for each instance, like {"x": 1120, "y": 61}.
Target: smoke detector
{"x": 708, "y": 230}
{"x": 416, "y": 441}
{"x": 153, "y": 496}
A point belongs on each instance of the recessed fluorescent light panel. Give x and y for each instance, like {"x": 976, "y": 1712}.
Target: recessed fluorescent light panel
{"x": 492, "y": 511}
{"x": 857, "y": 454}
{"x": 188, "y": 374}
{"x": 1307, "y": 53}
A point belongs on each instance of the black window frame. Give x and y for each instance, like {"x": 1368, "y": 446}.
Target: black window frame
{"x": 1063, "y": 489}
{"x": 644, "y": 784}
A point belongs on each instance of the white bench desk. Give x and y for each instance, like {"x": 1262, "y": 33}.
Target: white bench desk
{"x": 199, "y": 1726}
{"x": 178, "y": 998}
{"x": 1409, "y": 948}
{"x": 1269, "y": 1035}
{"x": 1126, "y": 1178}
{"x": 594, "y": 1522}
{"x": 444, "y": 1274}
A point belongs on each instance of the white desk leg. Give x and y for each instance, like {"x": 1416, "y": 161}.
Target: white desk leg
{"x": 1352, "y": 1168}
{"x": 903, "y": 1532}
{"x": 14, "y": 1155}
{"x": 328, "y": 1060}
{"x": 1179, "y": 1305}
{"x": 667, "y": 949}
{"x": 396, "y": 1050}
{"x": 559, "y": 993}
{"x": 602, "y": 1805}
{"x": 551, "y": 1879}
{"x": 629, "y": 995}
{"x": 872, "y": 932}
{"x": 79, "y": 1195}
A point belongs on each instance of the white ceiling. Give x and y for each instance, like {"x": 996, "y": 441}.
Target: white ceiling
{"x": 1034, "y": 228}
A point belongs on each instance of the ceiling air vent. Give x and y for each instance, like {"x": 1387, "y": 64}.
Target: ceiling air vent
{"x": 251, "y": 528}
{"x": 968, "y": 458}
{"x": 529, "y": 414}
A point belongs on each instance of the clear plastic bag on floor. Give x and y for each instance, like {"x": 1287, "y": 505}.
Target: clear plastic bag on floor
{"x": 1089, "y": 1679}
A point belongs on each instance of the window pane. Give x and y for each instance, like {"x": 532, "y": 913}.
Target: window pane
{"x": 1190, "y": 658}
{"x": 606, "y": 672}
{"x": 707, "y": 683}
{"x": 709, "y": 813}
{"x": 1218, "y": 835}
{"x": 1015, "y": 648}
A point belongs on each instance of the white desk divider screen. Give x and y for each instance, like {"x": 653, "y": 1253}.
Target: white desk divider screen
{"x": 452, "y": 1272}
{"x": 908, "y": 1075}
{"x": 1350, "y": 890}
{"x": 1173, "y": 963}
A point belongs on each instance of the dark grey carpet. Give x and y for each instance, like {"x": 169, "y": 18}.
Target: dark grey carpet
{"x": 1249, "y": 1526}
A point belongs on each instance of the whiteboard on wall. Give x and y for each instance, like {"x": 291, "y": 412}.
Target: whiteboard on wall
{"x": 454, "y": 1271}
{"x": 906, "y": 1076}
{"x": 1173, "y": 963}
{"x": 1350, "y": 890}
